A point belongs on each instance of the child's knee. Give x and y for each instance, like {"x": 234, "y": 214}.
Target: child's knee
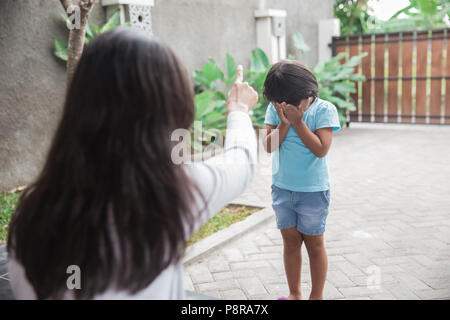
{"x": 292, "y": 239}
{"x": 292, "y": 245}
{"x": 315, "y": 245}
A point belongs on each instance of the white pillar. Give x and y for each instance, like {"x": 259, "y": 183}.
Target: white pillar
{"x": 328, "y": 28}
{"x": 271, "y": 33}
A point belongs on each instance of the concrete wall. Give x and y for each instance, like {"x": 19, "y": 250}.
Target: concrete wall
{"x": 32, "y": 80}
{"x": 198, "y": 29}
{"x": 32, "y": 84}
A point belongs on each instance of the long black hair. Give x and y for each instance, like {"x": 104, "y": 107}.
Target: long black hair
{"x": 109, "y": 199}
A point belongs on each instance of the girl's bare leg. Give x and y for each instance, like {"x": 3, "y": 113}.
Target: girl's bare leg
{"x": 318, "y": 262}
{"x": 292, "y": 240}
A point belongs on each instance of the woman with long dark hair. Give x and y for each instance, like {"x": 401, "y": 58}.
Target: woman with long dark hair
{"x": 110, "y": 200}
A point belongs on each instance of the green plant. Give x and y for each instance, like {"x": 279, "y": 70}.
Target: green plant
{"x": 213, "y": 85}
{"x": 226, "y": 217}
{"x": 92, "y": 31}
{"x": 299, "y": 42}
{"x": 210, "y": 112}
{"x": 337, "y": 82}
{"x": 255, "y": 76}
{"x": 8, "y": 204}
{"x": 420, "y": 14}
{"x": 355, "y": 16}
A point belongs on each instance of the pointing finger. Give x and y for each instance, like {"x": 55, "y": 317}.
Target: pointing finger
{"x": 239, "y": 73}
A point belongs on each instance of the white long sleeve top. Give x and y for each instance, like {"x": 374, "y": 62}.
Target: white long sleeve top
{"x": 220, "y": 179}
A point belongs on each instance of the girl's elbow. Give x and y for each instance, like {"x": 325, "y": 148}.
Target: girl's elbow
{"x": 321, "y": 153}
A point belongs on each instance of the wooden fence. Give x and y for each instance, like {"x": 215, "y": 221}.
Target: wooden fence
{"x": 407, "y": 76}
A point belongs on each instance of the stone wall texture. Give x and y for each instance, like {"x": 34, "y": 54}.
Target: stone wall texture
{"x": 32, "y": 80}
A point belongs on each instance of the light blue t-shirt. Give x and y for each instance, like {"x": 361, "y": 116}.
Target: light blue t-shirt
{"x": 294, "y": 166}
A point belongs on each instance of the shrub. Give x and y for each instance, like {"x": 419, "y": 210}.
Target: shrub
{"x": 337, "y": 82}
{"x": 213, "y": 84}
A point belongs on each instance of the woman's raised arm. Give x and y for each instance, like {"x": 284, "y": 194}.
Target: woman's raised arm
{"x": 223, "y": 177}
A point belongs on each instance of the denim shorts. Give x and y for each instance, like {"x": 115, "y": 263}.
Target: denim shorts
{"x": 306, "y": 210}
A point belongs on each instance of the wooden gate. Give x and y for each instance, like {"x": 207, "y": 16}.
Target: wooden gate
{"x": 407, "y": 76}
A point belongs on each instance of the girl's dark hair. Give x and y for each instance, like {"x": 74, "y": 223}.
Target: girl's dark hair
{"x": 109, "y": 199}
{"x": 290, "y": 82}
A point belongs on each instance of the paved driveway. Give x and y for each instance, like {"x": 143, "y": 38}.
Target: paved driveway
{"x": 388, "y": 231}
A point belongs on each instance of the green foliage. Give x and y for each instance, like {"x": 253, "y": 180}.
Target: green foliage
{"x": 92, "y": 31}
{"x": 355, "y": 16}
{"x": 8, "y": 204}
{"x": 60, "y": 50}
{"x": 337, "y": 82}
{"x": 210, "y": 101}
{"x": 213, "y": 86}
{"x": 226, "y": 217}
{"x": 258, "y": 61}
{"x": 209, "y": 109}
{"x": 208, "y": 76}
{"x": 299, "y": 42}
{"x": 255, "y": 76}
{"x": 420, "y": 14}
{"x": 230, "y": 67}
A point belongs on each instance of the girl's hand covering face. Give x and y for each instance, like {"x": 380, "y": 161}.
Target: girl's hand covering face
{"x": 293, "y": 114}
{"x": 280, "y": 113}
{"x": 242, "y": 96}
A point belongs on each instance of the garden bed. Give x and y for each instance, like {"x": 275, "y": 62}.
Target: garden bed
{"x": 226, "y": 217}
{"x": 8, "y": 204}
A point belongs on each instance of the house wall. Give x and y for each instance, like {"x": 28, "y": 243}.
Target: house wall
{"x": 32, "y": 85}
{"x": 198, "y": 29}
{"x": 32, "y": 80}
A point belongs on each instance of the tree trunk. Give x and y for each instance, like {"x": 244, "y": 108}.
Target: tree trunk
{"x": 77, "y": 35}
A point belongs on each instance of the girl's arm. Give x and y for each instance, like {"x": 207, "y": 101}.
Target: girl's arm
{"x": 274, "y": 136}
{"x": 317, "y": 142}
